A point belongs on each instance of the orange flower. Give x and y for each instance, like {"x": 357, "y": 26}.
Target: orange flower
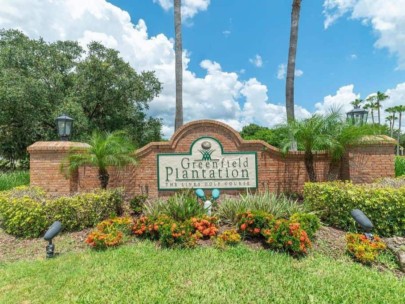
{"x": 243, "y": 227}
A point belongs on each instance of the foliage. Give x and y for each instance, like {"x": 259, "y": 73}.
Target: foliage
{"x": 181, "y": 207}
{"x": 287, "y": 236}
{"x": 273, "y": 136}
{"x": 278, "y": 205}
{"x": 399, "y": 165}
{"x": 123, "y": 224}
{"x": 177, "y": 234}
{"x": 40, "y": 80}
{"x": 362, "y": 249}
{"x": 308, "y": 221}
{"x": 101, "y": 239}
{"x": 227, "y": 238}
{"x": 333, "y": 201}
{"x": 27, "y": 212}
{"x": 137, "y": 203}
{"x": 206, "y": 226}
{"x": 251, "y": 223}
{"x": 9, "y": 180}
{"x": 169, "y": 232}
{"x": 106, "y": 149}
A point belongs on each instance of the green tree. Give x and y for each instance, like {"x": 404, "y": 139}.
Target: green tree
{"x": 391, "y": 118}
{"x": 178, "y": 50}
{"x": 399, "y": 109}
{"x": 106, "y": 149}
{"x": 292, "y": 53}
{"x": 357, "y": 102}
{"x": 312, "y": 134}
{"x": 330, "y": 133}
{"x": 371, "y": 105}
{"x": 39, "y": 81}
{"x": 274, "y": 136}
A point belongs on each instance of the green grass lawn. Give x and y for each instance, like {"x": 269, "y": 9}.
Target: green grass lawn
{"x": 10, "y": 180}
{"x": 142, "y": 273}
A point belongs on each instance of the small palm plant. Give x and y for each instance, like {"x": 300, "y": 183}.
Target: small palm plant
{"x": 106, "y": 150}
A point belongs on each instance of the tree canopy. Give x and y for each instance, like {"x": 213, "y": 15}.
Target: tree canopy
{"x": 40, "y": 80}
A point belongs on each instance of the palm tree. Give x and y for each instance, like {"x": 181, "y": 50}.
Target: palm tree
{"x": 178, "y": 50}
{"x": 295, "y": 16}
{"x": 379, "y": 98}
{"x": 392, "y": 111}
{"x": 313, "y": 133}
{"x": 356, "y": 103}
{"x": 106, "y": 149}
{"x": 371, "y": 105}
{"x": 400, "y": 109}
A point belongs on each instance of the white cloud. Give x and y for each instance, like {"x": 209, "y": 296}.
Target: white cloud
{"x": 386, "y": 17}
{"x": 353, "y": 57}
{"x": 226, "y": 33}
{"x": 189, "y": 8}
{"x": 257, "y": 61}
{"x": 282, "y": 71}
{"x": 341, "y": 100}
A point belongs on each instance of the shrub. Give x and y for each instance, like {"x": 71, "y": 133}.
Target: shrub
{"x": 362, "y": 249}
{"x": 399, "y": 165}
{"x": 169, "y": 232}
{"x": 149, "y": 227}
{"x": 206, "y": 226}
{"x": 251, "y": 223}
{"x": 101, "y": 240}
{"x": 278, "y": 205}
{"x": 27, "y": 212}
{"x": 137, "y": 203}
{"x": 10, "y": 180}
{"x": 123, "y": 224}
{"x": 181, "y": 207}
{"x": 385, "y": 206}
{"x": 175, "y": 234}
{"x": 287, "y": 236}
{"x": 309, "y": 222}
{"x": 228, "y": 238}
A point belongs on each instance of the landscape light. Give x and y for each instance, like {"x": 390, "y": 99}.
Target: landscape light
{"x": 363, "y": 221}
{"x": 64, "y": 124}
{"x": 357, "y": 116}
{"x": 53, "y": 231}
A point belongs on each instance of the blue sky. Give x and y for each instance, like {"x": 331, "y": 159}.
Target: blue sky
{"x": 340, "y": 55}
{"x": 235, "y": 50}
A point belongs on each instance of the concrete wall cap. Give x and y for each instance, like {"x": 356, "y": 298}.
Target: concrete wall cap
{"x": 42, "y": 146}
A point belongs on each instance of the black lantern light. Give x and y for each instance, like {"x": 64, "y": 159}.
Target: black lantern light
{"x": 357, "y": 116}
{"x": 65, "y": 125}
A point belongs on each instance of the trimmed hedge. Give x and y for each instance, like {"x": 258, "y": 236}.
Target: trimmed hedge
{"x": 27, "y": 212}
{"x": 333, "y": 201}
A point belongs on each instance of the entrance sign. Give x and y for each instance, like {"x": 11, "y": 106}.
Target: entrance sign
{"x": 207, "y": 166}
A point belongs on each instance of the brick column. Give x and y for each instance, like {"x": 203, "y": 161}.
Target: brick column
{"x": 46, "y": 158}
{"x": 372, "y": 158}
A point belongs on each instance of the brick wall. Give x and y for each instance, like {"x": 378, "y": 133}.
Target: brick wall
{"x": 276, "y": 172}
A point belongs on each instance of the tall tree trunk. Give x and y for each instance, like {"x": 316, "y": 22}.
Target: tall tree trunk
{"x": 372, "y": 115}
{"x": 178, "y": 49}
{"x": 334, "y": 170}
{"x": 379, "y": 120}
{"x": 393, "y": 123}
{"x": 309, "y": 165}
{"x": 295, "y": 16}
{"x": 103, "y": 177}
{"x": 399, "y": 131}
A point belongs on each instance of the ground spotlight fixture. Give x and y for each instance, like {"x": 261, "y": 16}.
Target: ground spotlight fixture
{"x": 53, "y": 231}
{"x": 363, "y": 221}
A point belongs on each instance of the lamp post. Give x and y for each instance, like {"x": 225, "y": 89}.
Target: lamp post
{"x": 357, "y": 116}
{"x": 65, "y": 126}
